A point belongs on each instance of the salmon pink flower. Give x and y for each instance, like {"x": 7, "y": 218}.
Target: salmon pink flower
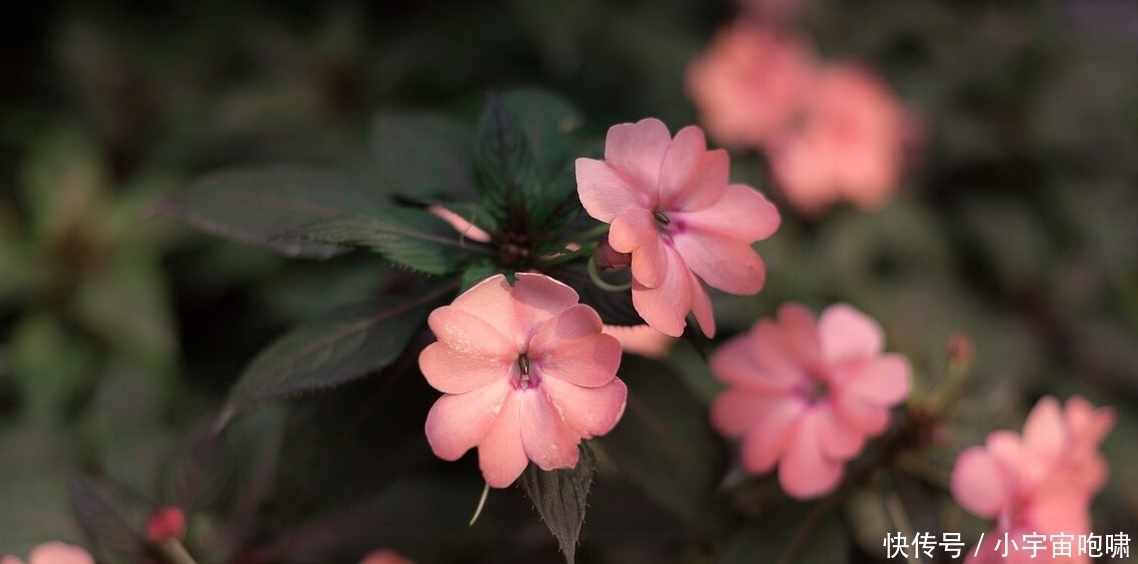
{"x": 385, "y": 556}
{"x": 53, "y": 552}
{"x": 641, "y": 339}
{"x": 526, "y": 374}
{"x": 850, "y": 143}
{"x": 749, "y": 84}
{"x": 806, "y": 395}
{"x": 671, "y": 208}
{"x": 1040, "y": 483}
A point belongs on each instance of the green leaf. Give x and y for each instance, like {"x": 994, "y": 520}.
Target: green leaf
{"x": 560, "y": 497}
{"x": 113, "y": 519}
{"x": 477, "y": 273}
{"x": 664, "y": 443}
{"x": 407, "y": 236}
{"x": 256, "y": 205}
{"x": 505, "y": 167}
{"x": 546, "y": 120}
{"x": 424, "y": 155}
{"x": 338, "y": 348}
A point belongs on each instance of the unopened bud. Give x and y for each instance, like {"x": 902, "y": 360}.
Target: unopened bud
{"x": 959, "y": 351}
{"x": 609, "y": 259}
{"x": 166, "y": 523}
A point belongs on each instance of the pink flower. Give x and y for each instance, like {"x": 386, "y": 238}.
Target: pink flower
{"x": 670, "y": 206}
{"x": 526, "y": 374}
{"x": 850, "y": 144}
{"x": 806, "y": 395}
{"x": 749, "y": 84}
{"x": 166, "y": 523}
{"x": 385, "y": 556}
{"x": 53, "y": 552}
{"x": 641, "y": 339}
{"x": 1041, "y": 482}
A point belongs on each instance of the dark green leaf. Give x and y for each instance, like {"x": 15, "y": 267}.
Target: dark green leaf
{"x": 560, "y": 497}
{"x": 546, "y": 121}
{"x": 113, "y": 519}
{"x": 256, "y": 205}
{"x": 504, "y": 165}
{"x": 615, "y": 308}
{"x": 477, "y": 273}
{"x": 424, "y": 155}
{"x": 410, "y": 237}
{"x": 663, "y": 443}
{"x": 339, "y": 348}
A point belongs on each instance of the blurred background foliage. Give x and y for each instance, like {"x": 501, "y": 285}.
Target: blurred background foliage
{"x": 120, "y": 335}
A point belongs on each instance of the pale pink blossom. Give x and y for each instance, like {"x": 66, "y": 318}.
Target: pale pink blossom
{"x": 806, "y": 395}
{"x": 850, "y": 143}
{"x": 1041, "y": 482}
{"x": 749, "y": 84}
{"x": 526, "y": 374}
{"x": 641, "y": 339}
{"x": 671, "y": 208}
{"x": 385, "y": 556}
{"x": 53, "y": 552}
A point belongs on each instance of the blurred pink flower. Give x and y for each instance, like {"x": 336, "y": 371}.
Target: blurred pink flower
{"x": 526, "y": 374}
{"x": 749, "y": 84}
{"x": 670, "y": 206}
{"x": 850, "y": 143}
{"x": 53, "y": 552}
{"x": 1041, "y": 482}
{"x": 806, "y": 395}
{"x": 641, "y": 339}
{"x": 385, "y": 556}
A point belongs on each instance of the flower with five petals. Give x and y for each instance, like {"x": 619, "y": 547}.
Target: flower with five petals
{"x": 805, "y": 395}
{"x": 526, "y": 374}
{"x": 671, "y": 208}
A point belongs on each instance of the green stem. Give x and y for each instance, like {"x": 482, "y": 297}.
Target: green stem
{"x": 174, "y": 552}
{"x": 596, "y": 278}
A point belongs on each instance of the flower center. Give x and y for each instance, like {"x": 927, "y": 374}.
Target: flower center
{"x": 661, "y": 218}
{"x": 816, "y": 390}
{"x": 525, "y": 379}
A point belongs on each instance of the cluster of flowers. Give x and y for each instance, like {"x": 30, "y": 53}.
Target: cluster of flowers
{"x": 832, "y": 132}
{"x": 1040, "y": 483}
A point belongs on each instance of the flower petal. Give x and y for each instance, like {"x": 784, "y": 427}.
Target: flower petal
{"x": 637, "y": 150}
{"x": 770, "y": 437}
{"x": 884, "y": 380}
{"x": 605, "y": 192}
{"x": 869, "y": 417}
{"x": 459, "y": 422}
{"x": 56, "y": 552}
{"x": 691, "y": 177}
{"x": 635, "y": 232}
{"x": 804, "y": 471}
{"x": 469, "y": 334}
{"x": 500, "y": 453}
{"x": 517, "y": 311}
{"x": 701, "y": 306}
{"x": 452, "y": 372}
{"x": 837, "y": 438}
{"x": 978, "y": 484}
{"x": 589, "y": 412}
{"x": 588, "y": 361}
{"x": 846, "y": 333}
{"x": 723, "y": 263}
{"x": 741, "y": 214}
{"x": 737, "y": 410}
{"x": 737, "y": 363}
{"x": 665, "y": 306}
{"x": 546, "y": 438}
{"x": 801, "y": 334}
{"x": 1043, "y": 431}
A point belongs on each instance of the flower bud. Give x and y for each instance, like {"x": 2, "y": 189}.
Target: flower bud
{"x": 608, "y": 259}
{"x": 166, "y": 523}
